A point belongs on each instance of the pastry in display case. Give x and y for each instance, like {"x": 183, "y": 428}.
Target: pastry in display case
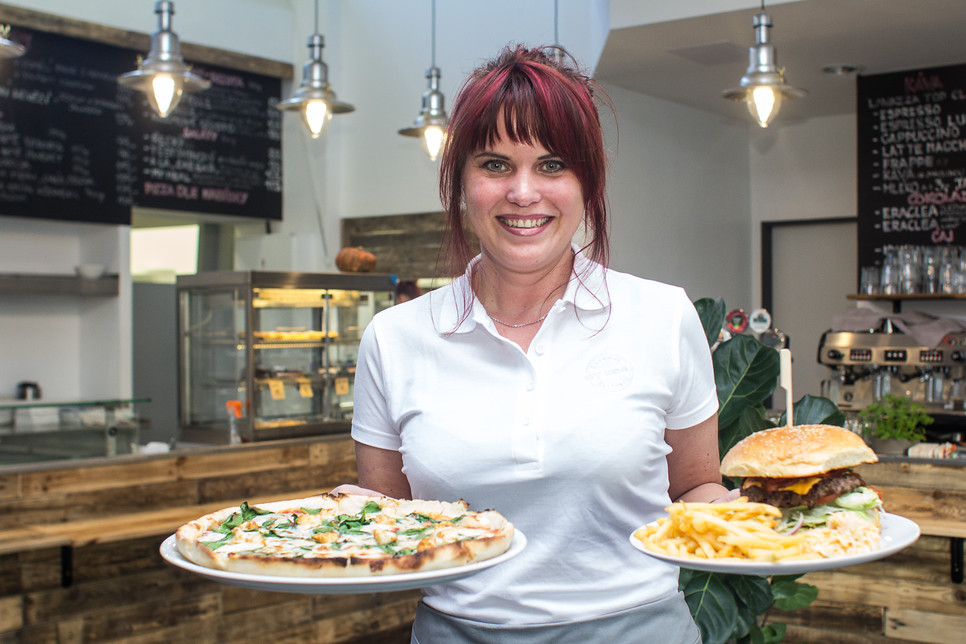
{"x": 266, "y": 355}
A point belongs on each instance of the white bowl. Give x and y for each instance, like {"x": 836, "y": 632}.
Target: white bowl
{"x": 90, "y": 271}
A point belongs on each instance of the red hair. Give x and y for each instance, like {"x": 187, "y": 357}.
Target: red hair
{"x": 541, "y": 100}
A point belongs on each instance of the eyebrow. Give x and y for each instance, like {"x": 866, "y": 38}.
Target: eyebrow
{"x": 486, "y": 153}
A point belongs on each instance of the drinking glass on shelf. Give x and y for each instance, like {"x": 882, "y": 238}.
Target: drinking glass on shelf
{"x": 930, "y": 270}
{"x": 910, "y": 276}
{"x": 948, "y": 278}
{"x": 889, "y": 279}
{"x": 870, "y": 281}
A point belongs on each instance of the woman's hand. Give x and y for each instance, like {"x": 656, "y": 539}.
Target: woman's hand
{"x": 347, "y": 488}
{"x": 732, "y": 495}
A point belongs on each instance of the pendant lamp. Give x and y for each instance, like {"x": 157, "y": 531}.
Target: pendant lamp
{"x": 9, "y": 48}
{"x": 763, "y": 86}
{"x": 163, "y": 75}
{"x": 314, "y": 98}
{"x": 430, "y": 125}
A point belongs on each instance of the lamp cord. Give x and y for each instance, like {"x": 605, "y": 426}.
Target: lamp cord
{"x": 556, "y": 38}
{"x": 433, "y": 36}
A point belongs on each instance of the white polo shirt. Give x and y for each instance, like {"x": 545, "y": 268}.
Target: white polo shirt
{"x": 566, "y": 440}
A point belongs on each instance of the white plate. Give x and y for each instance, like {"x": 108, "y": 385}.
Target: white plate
{"x": 341, "y": 585}
{"x": 897, "y": 533}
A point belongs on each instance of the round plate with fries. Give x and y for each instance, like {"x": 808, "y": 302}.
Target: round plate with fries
{"x": 739, "y": 539}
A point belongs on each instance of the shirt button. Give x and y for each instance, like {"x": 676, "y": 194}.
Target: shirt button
{"x": 526, "y": 422}
{"x": 531, "y": 386}
{"x": 539, "y": 349}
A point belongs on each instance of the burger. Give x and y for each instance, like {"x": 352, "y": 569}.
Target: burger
{"x": 806, "y": 472}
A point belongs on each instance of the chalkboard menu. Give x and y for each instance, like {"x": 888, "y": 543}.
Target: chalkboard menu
{"x": 75, "y": 145}
{"x": 911, "y": 160}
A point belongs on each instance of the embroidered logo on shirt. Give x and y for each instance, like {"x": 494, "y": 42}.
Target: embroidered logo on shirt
{"x": 610, "y": 372}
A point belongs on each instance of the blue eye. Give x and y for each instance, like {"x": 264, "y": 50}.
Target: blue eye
{"x": 554, "y": 166}
{"x": 494, "y": 165}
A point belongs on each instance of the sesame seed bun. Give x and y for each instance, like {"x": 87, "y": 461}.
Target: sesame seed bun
{"x": 802, "y": 450}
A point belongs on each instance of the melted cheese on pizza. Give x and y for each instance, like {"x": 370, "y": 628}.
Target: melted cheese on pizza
{"x": 374, "y": 532}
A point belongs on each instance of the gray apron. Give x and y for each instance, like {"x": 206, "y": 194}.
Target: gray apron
{"x": 667, "y": 621}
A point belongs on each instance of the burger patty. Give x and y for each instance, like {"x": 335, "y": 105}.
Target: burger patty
{"x": 833, "y": 484}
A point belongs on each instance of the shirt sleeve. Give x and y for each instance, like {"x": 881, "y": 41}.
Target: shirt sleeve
{"x": 371, "y": 419}
{"x": 696, "y": 397}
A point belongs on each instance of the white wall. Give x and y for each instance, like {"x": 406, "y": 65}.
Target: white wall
{"x": 377, "y": 52}
{"x": 679, "y": 198}
{"x": 803, "y": 170}
{"x": 688, "y": 191}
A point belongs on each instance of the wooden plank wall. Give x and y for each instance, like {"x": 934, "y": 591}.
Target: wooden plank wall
{"x": 910, "y": 596}
{"x": 407, "y": 246}
{"x": 116, "y": 513}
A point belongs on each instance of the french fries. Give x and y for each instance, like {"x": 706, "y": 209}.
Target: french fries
{"x": 737, "y": 530}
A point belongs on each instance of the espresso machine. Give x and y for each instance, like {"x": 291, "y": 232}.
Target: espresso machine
{"x": 865, "y": 366}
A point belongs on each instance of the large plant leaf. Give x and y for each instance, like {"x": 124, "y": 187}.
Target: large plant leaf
{"x": 752, "y": 419}
{"x": 745, "y": 373}
{"x": 773, "y": 633}
{"x": 712, "y": 314}
{"x": 815, "y": 410}
{"x": 712, "y": 604}
{"x": 754, "y": 592}
{"x": 791, "y": 594}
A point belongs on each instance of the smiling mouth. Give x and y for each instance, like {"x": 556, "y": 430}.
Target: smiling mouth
{"x": 524, "y": 223}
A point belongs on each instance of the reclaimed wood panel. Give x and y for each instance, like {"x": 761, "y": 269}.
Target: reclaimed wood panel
{"x": 819, "y": 635}
{"x": 92, "y": 478}
{"x": 38, "y": 569}
{"x": 146, "y": 617}
{"x": 926, "y": 476}
{"x": 919, "y": 626}
{"x": 378, "y": 618}
{"x": 839, "y": 616}
{"x": 269, "y": 485}
{"x": 9, "y": 486}
{"x": 407, "y": 246}
{"x": 53, "y": 508}
{"x": 21, "y": 539}
{"x": 262, "y": 622}
{"x": 916, "y": 502}
{"x": 11, "y": 613}
{"x": 243, "y": 459}
{"x": 326, "y": 453}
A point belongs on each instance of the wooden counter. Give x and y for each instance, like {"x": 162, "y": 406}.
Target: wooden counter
{"x": 80, "y": 561}
{"x": 79, "y": 557}
{"x": 911, "y": 596}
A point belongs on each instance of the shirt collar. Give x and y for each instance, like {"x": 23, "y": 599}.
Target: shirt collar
{"x": 587, "y": 290}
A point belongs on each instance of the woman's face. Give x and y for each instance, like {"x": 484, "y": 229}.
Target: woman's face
{"x": 525, "y": 205}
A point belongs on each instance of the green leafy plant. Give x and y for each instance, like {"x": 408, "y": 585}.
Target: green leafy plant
{"x": 896, "y": 417}
{"x": 735, "y": 607}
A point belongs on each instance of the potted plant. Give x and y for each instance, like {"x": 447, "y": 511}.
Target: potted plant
{"x": 737, "y": 607}
{"x": 894, "y": 423}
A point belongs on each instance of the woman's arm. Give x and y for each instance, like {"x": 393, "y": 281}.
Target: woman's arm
{"x": 380, "y": 472}
{"x": 693, "y": 465}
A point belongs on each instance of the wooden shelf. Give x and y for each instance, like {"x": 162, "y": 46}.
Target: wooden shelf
{"x": 30, "y": 284}
{"x": 908, "y": 296}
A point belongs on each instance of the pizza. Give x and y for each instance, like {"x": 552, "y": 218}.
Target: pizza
{"x": 343, "y": 535}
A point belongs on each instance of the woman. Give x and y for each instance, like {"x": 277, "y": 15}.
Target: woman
{"x": 576, "y": 400}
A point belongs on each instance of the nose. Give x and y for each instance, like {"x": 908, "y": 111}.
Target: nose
{"x": 523, "y": 189}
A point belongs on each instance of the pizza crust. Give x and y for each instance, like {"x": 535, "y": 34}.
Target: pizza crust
{"x": 496, "y": 540}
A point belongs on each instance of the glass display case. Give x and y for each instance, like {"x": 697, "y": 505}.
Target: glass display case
{"x": 266, "y": 355}
{"x": 40, "y": 430}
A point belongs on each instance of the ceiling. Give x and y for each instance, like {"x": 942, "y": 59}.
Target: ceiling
{"x": 691, "y": 61}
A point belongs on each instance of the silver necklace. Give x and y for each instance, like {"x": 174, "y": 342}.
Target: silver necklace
{"x": 522, "y": 324}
